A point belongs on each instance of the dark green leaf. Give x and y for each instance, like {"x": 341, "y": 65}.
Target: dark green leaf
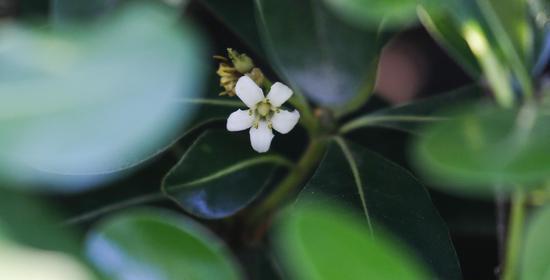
{"x": 150, "y": 244}
{"x": 386, "y": 196}
{"x": 239, "y": 16}
{"x": 408, "y": 117}
{"x": 219, "y": 175}
{"x": 321, "y": 56}
{"x": 326, "y": 242}
{"x": 535, "y": 257}
{"x": 483, "y": 146}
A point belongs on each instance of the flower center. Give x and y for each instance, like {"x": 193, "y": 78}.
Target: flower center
{"x": 263, "y": 109}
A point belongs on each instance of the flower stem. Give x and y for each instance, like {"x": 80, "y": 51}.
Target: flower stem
{"x": 293, "y": 180}
{"x": 515, "y": 235}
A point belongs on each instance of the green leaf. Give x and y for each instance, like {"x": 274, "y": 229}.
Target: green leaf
{"x": 151, "y": 244}
{"x": 370, "y": 13}
{"x": 447, "y": 33}
{"x": 92, "y": 101}
{"x": 535, "y": 257}
{"x": 324, "y": 58}
{"x": 387, "y": 196}
{"x": 325, "y": 242}
{"x": 483, "y": 146}
{"x": 408, "y": 117}
{"x": 219, "y": 175}
{"x": 239, "y": 17}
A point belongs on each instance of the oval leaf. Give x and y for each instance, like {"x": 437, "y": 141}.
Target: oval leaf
{"x": 484, "y": 146}
{"x": 325, "y": 242}
{"x": 388, "y": 196}
{"x": 82, "y": 102}
{"x": 219, "y": 175}
{"x": 158, "y": 246}
{"x": 370, "y": 13}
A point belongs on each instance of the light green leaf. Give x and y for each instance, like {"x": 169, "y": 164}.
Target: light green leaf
{"x": 93, "y": 101}
{"x": 156, "y": 245}
{"x": 371, "y": 13}
{"x": 386, "y": 196}
{"x": 535, "y": 257}
{"x": 325, "y": 242}
{"x": 321, "y": 56}
{"x": 219, "y": 175}
{"x": 483, "y": 146}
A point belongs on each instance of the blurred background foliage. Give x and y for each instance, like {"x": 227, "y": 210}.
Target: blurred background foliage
{"x": 114, "y": 161}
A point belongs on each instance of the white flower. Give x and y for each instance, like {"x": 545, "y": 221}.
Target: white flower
{"x": 264, "y": 113}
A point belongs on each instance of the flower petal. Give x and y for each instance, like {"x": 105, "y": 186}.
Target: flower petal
{"x": 239, "y": 120}
{"x": 279, "y": 94}
{"x": 248, "y": 91}
{"x": 261, "y": 137}
{"x": 284, "y": 121}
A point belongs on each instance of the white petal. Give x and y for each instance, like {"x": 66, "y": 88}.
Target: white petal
{"x": 261, "y": 137}
{"x": 279, "y": 94}
{"x": 284, "y": 121}
{"x": 239, "y": 120}
{"x": 248, "y": 91}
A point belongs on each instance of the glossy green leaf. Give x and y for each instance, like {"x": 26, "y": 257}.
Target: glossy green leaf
{"x": 94, "y": 100}
{"x": 370, "y": 13}
{"x": 387, "y": 196}
{"x": 410, "y": 116}
{"x": 483, "y": 146}
{"x": 321, "y": 56}
{"x": 219, "y": 175}
{"x": 239, "y": 17}
{"x": 535, "y": 257}
{"x": 325, "y": 242}
{"x": 156, "y": 245}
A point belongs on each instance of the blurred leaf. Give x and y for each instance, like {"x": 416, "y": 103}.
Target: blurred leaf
{"x": 327, "y": 60}
{"x": 239, "y": 16}
{"x": 447, "y": 33}
{"x": 408, "y": 117}
{"x": 150, "y": 244}
{"x": 387, "y": 196}
{"x": 71, "y": 11}
{"x": 371, "y": 13}
{"x": 15, "y": 261}
{"x": 325, "y": 242}
{"x": 96, "y": 100}
{"x": 30, "y": 221}
{"x": 219, "y": 175}
{"x": 483, "y": 146}
{"x": 535, "y": 258}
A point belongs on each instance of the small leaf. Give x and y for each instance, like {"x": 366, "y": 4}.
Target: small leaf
{"x": 483, "y": 146}
{"x": 324, "y": 58}
{"x": 219, "y": 175}
{"x": 325, "y": 242}
{"x": 535, "y": 257}
{"x": 386, "y": 196}
{"x": 158, "y": 246}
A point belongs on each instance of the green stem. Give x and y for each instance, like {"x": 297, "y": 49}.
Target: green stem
{"x": 515, "y": 235}
{"x": 297, "y": 176}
